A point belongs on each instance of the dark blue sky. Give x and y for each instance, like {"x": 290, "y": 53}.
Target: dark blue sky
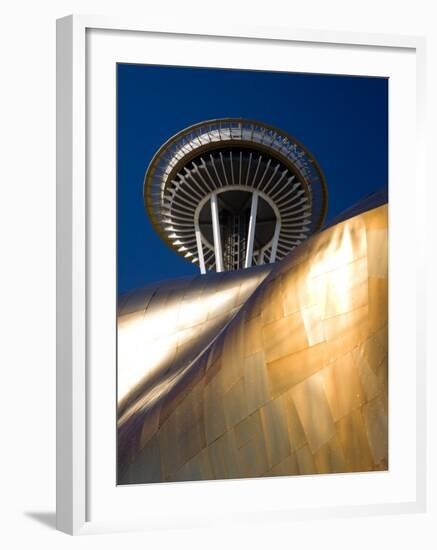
{"x": 342, "y": 120}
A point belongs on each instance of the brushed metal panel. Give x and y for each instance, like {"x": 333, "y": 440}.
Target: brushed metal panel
{"x": 313, "y": 410}
{"x": 342, "y": 386}
{"x": 284, "y": 337}
{"x": 252, "y": 335}
{"x": 256, "y": 380}
{"x": 235, "y": 403}
{"x": 305, "y": 461}
{"x": 375, "y": 418}
{"x": 352, "y": 434}
{"x": 274, "y": 423}
{"x": 288, "y": 467}
{"x": 292, "y": 369}
{"x": 330, "y": 458}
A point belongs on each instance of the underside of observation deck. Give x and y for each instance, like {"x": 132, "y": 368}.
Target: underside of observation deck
{"x": 231, "y": 193}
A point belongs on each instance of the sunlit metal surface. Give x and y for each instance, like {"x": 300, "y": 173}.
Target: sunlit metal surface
{"x": 294, "y": 383}
{"x": 162, "y": 328}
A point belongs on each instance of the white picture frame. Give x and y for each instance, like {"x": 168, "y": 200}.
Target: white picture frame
{"x": 74, "y": 340}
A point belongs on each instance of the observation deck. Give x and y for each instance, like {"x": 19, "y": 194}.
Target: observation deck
{"x": 228, "y": 194}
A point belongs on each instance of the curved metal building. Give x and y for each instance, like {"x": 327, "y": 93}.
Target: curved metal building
{"x": 229, "y": 194}
{"x": 275, "y": 370}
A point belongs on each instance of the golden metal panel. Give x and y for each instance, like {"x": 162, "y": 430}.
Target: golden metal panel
{"x": 313, "y": 410}
{"x": 352, "y": 434}
{"x": 343, "y": 386}
{"x": 339, "y": 246}
{"x": 252, "y": 457}
{"x": 330, "y": 458}
{"x": 199, "y": 467}
{"x": 273, "y": 309}
{"x": 150, "y": 425}
{"x": 355, "y": 321}
{"x": 313, "y": 325}
{"x": 344, "y": 342}
{"x": 192, "y": 312}
{"x": 375, "y": 417}
{"x": 290, "y": 299}
{"x": 288, "y": 467}
{"x": 377, "y": 253}
{"x": 382, "y": 376}
{"x": 253, "y": 336}
{"x": 129, "y": 320}
{"x": 374, "y": 349}
{"x": 347, "y": 288}
{"x": 162, "y": 314}
{"x": 250, "y": 446}
{"x": 213, "y": 370}
{"x": 136, "y": 300}
{"x": 233, "y": 354}
{"x": 235, "y": 403}
{"x": 284, "y": 337}
{"x": 147, "y": 465}
{"x": 248, "y": 429}
{"x": 253, "y": 306}
{"x": 257, "y": 384}
{"x": 171, "y": 455}
{"x": 182, "y": 385}
{"x": 378, "y": 303}
{"x": 310, "y": 290}
{"x": 274, "y": 425}
{"x": 223, "y": 457}
{"x": 305, "y": 461}
{"x": 288, "y": 371}
{"x": 296, "y": 434}
{"x": 248, "y": 285}
{"x": 221, "y": 300}
{"x": 369, "y": 381}
{"x": 186, "y": 425}
{"x": 215, "y": 422}
{"x": 214, "y": 352}
{"x": 376, "y": 218}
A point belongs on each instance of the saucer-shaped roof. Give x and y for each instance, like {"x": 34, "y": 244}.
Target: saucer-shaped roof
{"x": 231, "y": 154}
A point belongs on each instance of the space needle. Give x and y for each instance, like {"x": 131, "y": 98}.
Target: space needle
{"x": 232, "y": 193}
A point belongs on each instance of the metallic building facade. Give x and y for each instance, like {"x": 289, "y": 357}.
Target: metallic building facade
{"x": 274, "y": 370}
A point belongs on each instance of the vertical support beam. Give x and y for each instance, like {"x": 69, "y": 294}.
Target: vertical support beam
{"x": 251, "y": 232}
{"x": 261, "y": 256}
{"x": 200, "y": 251}
{"x": 275, "y": 241}
{"x": 216, "y": 233}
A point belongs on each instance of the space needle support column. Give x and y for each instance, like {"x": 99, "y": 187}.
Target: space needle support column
{"x": 275, "y": 242}
{"x": 216, "y": 233}
{"x": 251, "y": 231}
{"x": 200, "y": 251}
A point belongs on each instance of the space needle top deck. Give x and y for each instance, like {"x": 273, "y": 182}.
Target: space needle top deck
{"x": 232, "y": 193}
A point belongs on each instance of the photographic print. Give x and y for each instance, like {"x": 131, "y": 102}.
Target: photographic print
{"x": 252, "y": 270}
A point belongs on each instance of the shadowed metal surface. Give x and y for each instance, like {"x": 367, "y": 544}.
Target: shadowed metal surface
{"x": 294, "y": 383}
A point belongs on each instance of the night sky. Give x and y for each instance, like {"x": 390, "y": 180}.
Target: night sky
{"x": 342, "y": 121}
